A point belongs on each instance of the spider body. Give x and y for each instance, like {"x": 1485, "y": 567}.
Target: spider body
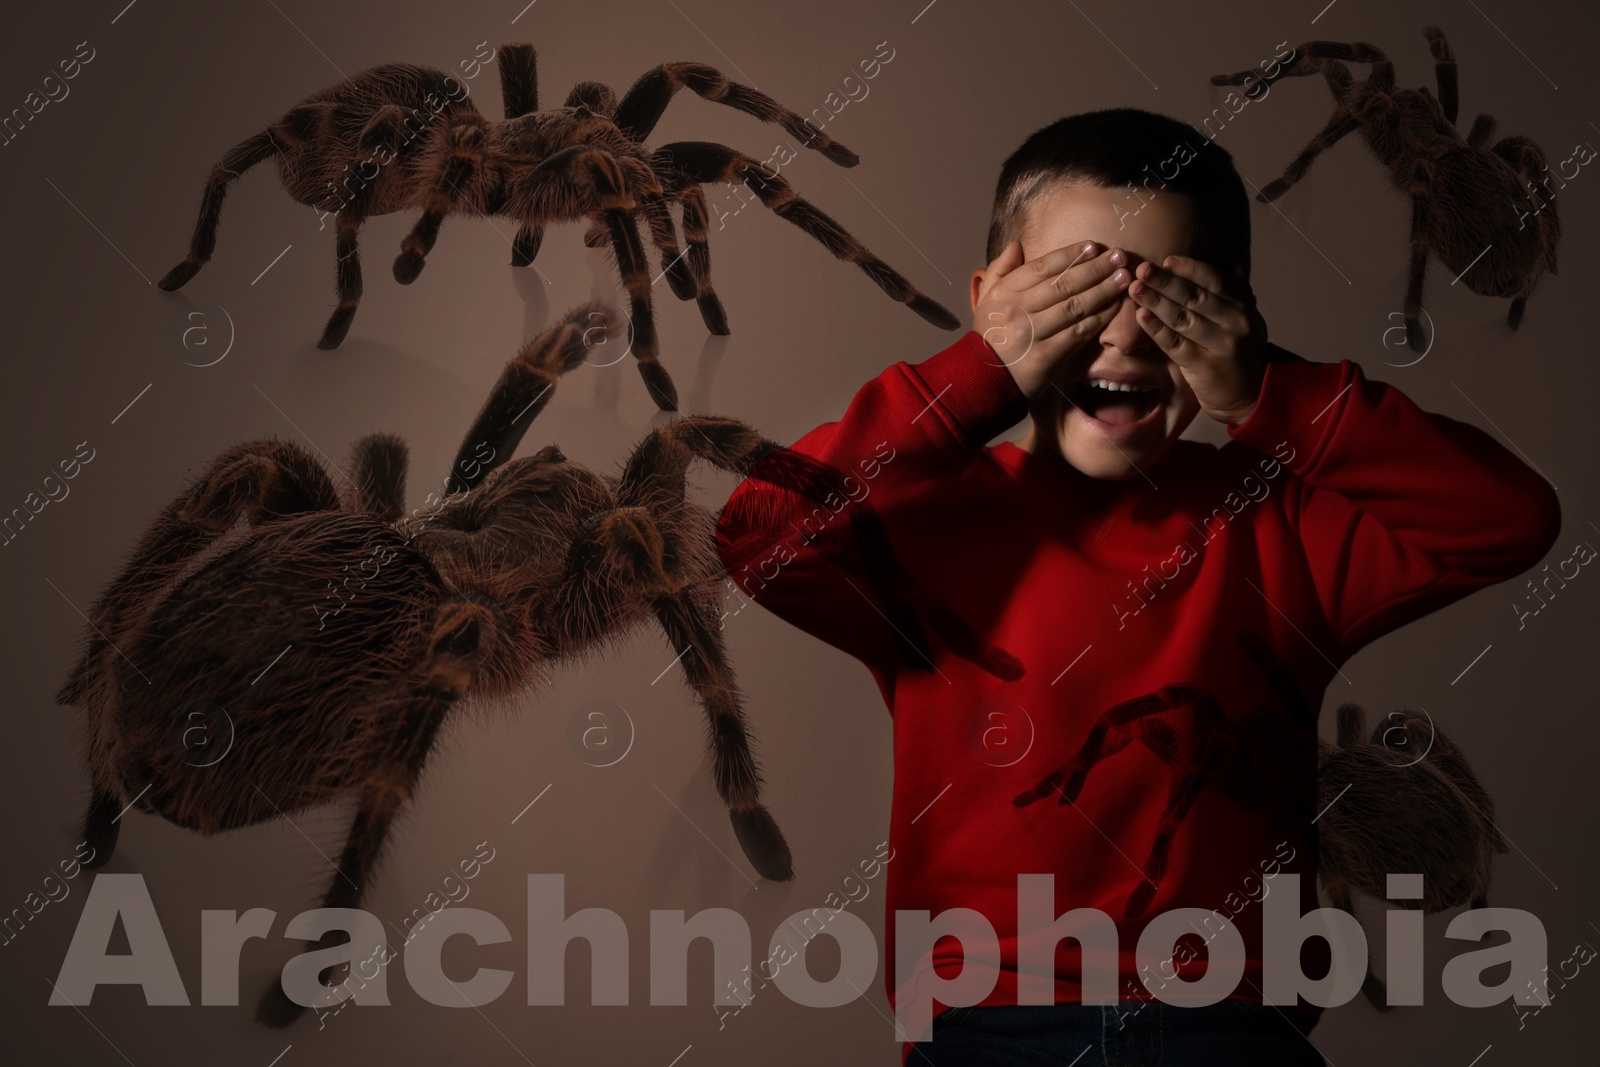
{"x": 321, "y": 637}
{"x": 406, "y": 137}
{"x": 366, "y": 137}
{"x": 1470, "y": 199}
{"x": 1402, "y": 800}
{"x": 308, "y": 735}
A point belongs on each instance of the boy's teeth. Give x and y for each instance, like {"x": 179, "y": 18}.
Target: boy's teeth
{"x": 1122, "y": 387}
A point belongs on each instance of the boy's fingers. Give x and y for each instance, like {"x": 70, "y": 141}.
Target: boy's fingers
{"x": 1164, "y": 292}
{"x": 1097, "y": 302}
{"x": 1192, "y": 275}
{"x": 1009, "y": 259}
{"x": 1054, "y": 262}
{"x": 1039, "y": 283}
{"x": 1166, "y": 338}
{"x": 1170, "y": 324}
{"x": 1084, "y": 312}
{"x": 1064, "y": 273}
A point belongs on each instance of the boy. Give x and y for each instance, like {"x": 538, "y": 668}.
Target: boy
{"x": 1179, "y": 608}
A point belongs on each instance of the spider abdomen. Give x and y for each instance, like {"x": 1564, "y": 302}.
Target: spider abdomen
{"x": 275, "y": 672}
{"x": 1362, "y": 842}
{"x": 1502, "y": 234}
{"x": 369, "y": 137}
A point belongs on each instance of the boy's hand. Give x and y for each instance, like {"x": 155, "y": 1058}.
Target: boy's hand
{"x": 1037, "y": 315}
{"x": 1208, "y": 325}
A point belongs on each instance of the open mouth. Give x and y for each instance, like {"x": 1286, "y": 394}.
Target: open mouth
{"x": 1114, "y": 403}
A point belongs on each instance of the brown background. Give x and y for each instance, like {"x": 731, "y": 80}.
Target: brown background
{"x": 101, "y": 190}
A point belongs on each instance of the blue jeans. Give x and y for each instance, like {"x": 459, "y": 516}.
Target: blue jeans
{"x": 1145, "y": 1033}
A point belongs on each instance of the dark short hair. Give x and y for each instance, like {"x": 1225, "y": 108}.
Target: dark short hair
{"x": 1128, "y": 146}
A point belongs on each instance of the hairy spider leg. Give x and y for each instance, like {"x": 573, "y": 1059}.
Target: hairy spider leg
{"x": 464, "y": 142}
{"x": 203, "y": 243}
{"x": 692, "y": 200}
{"x": 656, "y": 215}
{"x": 659, "y": 218}
{"x": 385, "y": 130}
{"x": 606, "y": 186}
{"x": 1347, "y": 97}
{"x": 1444, "y": 70}
{"x": 1482, "y": 129}
{"x": 525, "y": 387}
{"x": 644, "y": 102}
{"x": 654, "y": 481}
{"x": 519, "y": 79}
{"x": 519, "y": 92}
{"x": 1314, "y": 57}
{"x": 625, "y": 553}
{"x": 689, "y": 626}
{"x": 699, "y": 162}
{"x": 377, "y": 485}
{"x": 594, "y": 96}
{"x": 602, "y": 100}
{"x": 1372, "y": 986}
{"x": 1350, "y": 725}
{"x": 1416, "y": 271}
{"x": 462, "y": 634}
{"x": 525, "y": 246}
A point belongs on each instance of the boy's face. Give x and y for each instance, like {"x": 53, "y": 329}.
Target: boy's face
{"x": 1127, "y": 439}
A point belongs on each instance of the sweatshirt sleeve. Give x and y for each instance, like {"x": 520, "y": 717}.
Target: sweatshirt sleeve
{"x": 912, "y": 423}
{"x": 1400, "y": 511}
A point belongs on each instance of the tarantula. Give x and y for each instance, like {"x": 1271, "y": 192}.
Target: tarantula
{"x": 586, "y": 158}
{"x": 1402, "y": 800}
{"x": 220, "y": 615}
{"x": 1250, "y": 760}
{"x": 1464, "y": 196}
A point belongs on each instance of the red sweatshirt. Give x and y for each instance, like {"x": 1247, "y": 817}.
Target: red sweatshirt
{"x": 1226, "y": 585}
